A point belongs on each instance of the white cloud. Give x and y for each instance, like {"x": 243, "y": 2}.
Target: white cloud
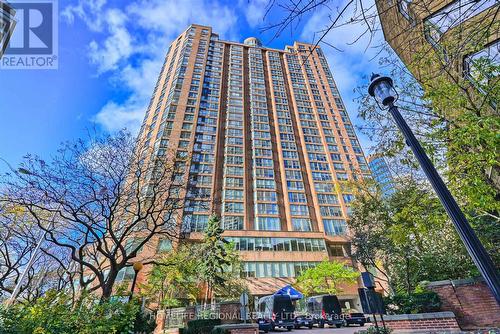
{"x": 86, "y": 10}
{"x": 116, "y": 47}
{"x": 132, "y": 42}
{"x": 114, "y": 116}
{"x": 254, "y": 11}
{"x": 172, "y": 17}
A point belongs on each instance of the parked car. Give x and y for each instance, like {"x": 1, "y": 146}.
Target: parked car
{"x": 303, "y": 320}
{"x": 325, "y": 310}
{"x": 355, "y": 318}
{"x": 275, "y": 311}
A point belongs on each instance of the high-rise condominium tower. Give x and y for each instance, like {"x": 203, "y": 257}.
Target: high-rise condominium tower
{"x": 270, "y": 144}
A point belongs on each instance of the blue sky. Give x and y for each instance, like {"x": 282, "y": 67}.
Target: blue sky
{"x": 110, "y": 53}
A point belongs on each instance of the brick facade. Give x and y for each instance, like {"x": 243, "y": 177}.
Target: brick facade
{"x": 230, "y": 312}
{"x": 470, "y": 300}
{"x": 423, "y": 322}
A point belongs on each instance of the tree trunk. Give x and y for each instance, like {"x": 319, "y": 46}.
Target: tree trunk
{"x": 107, "y": 287}
{"x": 408, "y": 279}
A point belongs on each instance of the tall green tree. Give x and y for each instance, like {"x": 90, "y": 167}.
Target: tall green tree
{"x": 326, "y": 278}
{"x": 220, "y": 266}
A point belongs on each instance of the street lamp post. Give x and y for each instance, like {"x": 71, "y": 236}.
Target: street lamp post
{"x": 381, "y": 88}
{"x": 137, "y": 267}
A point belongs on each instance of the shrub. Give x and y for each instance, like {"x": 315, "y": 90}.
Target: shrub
{"x": 54, "y": 313}
{"x": 381, "y": 330}
{"x": 417, "y": 302}
{"x": 201, "y": 326}
{"x": 144, "y": 323}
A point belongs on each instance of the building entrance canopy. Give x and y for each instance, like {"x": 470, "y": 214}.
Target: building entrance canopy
{"x": 290, "y": 291}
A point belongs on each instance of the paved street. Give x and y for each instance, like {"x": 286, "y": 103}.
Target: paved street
{"x": 343, "y": 330}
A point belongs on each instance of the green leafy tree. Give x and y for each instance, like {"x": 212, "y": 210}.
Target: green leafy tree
{"x": 174, "y": 278}
{"x": 326, "y": 278}
{"x": 372, "y": 246}
{"x": 220, "y": 263}
{"x": 456, "y": 120}
{"x": 407, "y": 237}
{"x": 181, "y": 274}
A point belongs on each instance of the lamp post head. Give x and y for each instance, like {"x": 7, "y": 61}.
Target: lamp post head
{"x": 137, "y": 266}
{"x": 382, "y": 89}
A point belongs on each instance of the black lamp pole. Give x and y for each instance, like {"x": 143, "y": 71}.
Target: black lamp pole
{"x": 469, "y": 238}
{"x": 133, "y": 286}
{"x": 137, "y": 267}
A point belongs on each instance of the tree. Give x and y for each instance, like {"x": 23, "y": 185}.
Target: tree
{"x": 326, "y": 278}
{"x": 458, "y": 131}
{"x": 408, "y": 237}
{"x": 51, "y": 314}
{"x": 454, "y": 109}
{"x": 181, "y": 274}
{"x": 220, "y": 265}
{"x": 102, "y": 200}
{"x": 372, "y": 246}
{"x": 175, "y": 277}
{"x": 457, "y": 128}
{"x": 18, "y": 239}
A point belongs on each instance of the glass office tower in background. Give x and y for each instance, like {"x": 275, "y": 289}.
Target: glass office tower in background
{"x": 270, "y": 146}
{"x": 382, "y": 174}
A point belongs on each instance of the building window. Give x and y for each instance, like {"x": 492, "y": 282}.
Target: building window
{"x": 481, "y": 68}
{"x": 457, "y": 13}
{"x": 299, "y": 210}
{"x": 125, "y": 274}
{"x": 232, "y": 223}
{"x": 450, "y": 16}
{"x": 330, "y": 211}
{"x": 348, "y": 198}
{"x": 335, "y": 226}
{"x": 195, "y": 223}
{"x": 278, "y": 244}
{"x": 233, "y": 207}
{"x": 267, "y": 208}
{"x": 297, "y": 197}
{"x": 164, "y": 245}
{"x": 233, "y": 194}
{"x": 337, "y": 250}
{"x": 268, "y": 224}
{"x": 265, "y": 184}
{"x": 132, "y": 245}
{"x": 301, "y": 224}
{"x": 403, "y": 6}
{"x": 275, "y": 269}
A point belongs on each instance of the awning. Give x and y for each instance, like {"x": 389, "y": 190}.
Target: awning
{"x": 290, "y": 291}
